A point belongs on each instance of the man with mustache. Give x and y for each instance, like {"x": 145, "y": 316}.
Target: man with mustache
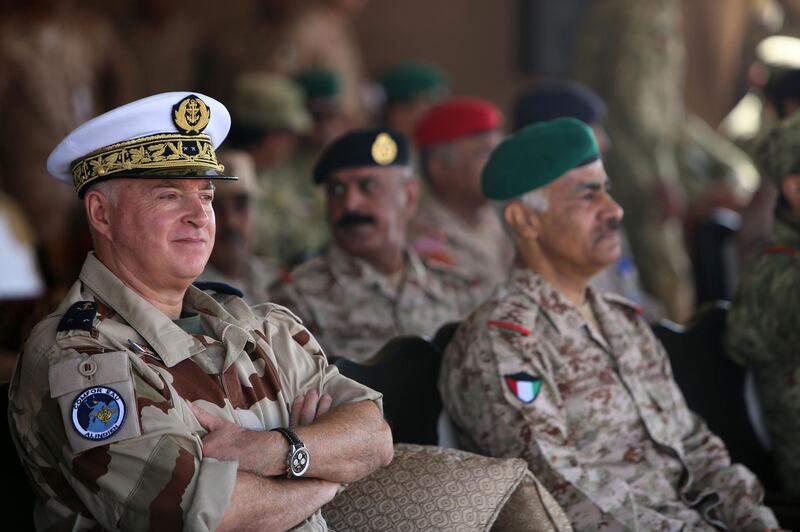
{"x": 572, "y": 379}
{"x": 232, "y": 260}
{"x": 370, "y": 286}
{"x": 144, "y": 403}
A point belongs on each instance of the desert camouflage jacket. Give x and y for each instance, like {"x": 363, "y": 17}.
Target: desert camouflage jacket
{"x": 97, "y": 406}
{"x": 596, "y": 413}
{"x": 353, "y": 310}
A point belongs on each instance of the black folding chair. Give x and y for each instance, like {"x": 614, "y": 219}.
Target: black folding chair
{"x": 405, "y": 371}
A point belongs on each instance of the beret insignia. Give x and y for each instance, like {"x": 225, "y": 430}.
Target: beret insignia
{"x": 384, "y": 149}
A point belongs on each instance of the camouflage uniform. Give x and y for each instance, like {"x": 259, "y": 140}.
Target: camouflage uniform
{"x": 763, "y": 332}
{"x": 260, "y": 274}
{"x": 484, "y": 252}
{"x": 631, "y": 52}
{"x": 152, "y": 474}
{"x": 291, "y": 218}
{"x": 354, "y": 310}
{"x": 55, "y": 73}
{"x": 606, "y": 428}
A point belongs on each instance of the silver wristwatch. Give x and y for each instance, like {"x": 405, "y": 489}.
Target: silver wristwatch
{"x": 299, "y": 458}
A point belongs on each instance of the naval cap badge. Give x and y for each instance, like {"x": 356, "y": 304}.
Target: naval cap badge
{"x": 191, "y": 115}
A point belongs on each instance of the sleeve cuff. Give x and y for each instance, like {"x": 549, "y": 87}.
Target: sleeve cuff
{"x": 212, "y": 496}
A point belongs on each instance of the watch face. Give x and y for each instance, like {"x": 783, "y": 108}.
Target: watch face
{"x": 299, "y": 462}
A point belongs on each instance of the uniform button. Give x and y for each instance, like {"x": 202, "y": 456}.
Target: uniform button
{"x": 87, "y": 368}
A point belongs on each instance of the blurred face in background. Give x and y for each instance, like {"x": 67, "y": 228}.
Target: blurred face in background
{"x": 235, "y": 214}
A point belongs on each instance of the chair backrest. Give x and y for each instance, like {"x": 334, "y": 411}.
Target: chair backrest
{"x": 713, "y": 385}
{"x": 406, "y": 372}
{"x": 445, "y": 334}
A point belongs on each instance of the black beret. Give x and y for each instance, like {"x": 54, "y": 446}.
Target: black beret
{"x": 556, "y": 99}
{"x": 363, "y": 147}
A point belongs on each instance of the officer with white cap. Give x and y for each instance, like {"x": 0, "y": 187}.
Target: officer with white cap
{"x": 143, "y": 402}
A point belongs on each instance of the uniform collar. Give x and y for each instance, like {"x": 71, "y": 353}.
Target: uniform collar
{"x": 172, "y": 344}
{"x": 556, "y": 308}
{"x": 351, "y": 271}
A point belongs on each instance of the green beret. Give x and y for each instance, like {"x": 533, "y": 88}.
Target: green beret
{"x": 408, "y": 81}
{"x": 778, "y": 151}
{"x": 537, "y": 155}
{"x": 318, "y": 83}
{"x": 378, "y": 147}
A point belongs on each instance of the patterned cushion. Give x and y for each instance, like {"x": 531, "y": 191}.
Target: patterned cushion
{"x": 430, "y": 488}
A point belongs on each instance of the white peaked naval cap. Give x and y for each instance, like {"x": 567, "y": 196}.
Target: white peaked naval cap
{"x": 169, "y": 135}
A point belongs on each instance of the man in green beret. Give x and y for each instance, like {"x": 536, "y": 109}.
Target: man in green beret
{"x": 269, "y": 120}
{"x": 411, "y": 89}
{"x": 370, "y": 286}
{"x": 323, "y": 97}
{"x": 763, "y": 328}
{"x": 572, "y": 379}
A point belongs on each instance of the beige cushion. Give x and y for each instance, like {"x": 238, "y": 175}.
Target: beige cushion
{"x": 430, "y": 488}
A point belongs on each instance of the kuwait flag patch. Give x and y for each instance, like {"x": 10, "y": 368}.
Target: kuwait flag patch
{"x": 524, "y": 385}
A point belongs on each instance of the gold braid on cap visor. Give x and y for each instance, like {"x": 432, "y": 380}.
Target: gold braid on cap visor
{"x": 156, "y": 152}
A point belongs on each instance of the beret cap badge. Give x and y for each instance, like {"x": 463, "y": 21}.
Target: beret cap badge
{"x": 191, "y": 115}
{"x": 384, "y": 149}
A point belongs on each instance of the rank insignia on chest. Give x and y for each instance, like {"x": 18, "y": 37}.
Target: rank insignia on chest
{"x": 98, "y": 413}
{"x": 524, "y": 386}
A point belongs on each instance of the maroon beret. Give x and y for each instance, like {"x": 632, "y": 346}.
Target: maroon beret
{"x": 456, "y": 118}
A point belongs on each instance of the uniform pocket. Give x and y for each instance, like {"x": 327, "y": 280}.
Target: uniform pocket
{"x": 96, "y": 398}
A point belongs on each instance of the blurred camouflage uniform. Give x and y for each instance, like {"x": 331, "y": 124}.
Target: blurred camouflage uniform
{"x": 56, "y": 71}
{"x": 290, "y": 224}
{"x": 484, "y": 252}
{"x": 259, "y": 274}
{"x": 291, "y": 218}
{"x": 354, "y": 310}
{"x": 631, "y": 52}
{"x": 246, "y": 365}
{"x": 592, "y": 406}
{"x": 763, "y": 330}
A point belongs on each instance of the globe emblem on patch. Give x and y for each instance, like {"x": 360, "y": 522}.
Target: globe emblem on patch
{"x": 98, "y": 413}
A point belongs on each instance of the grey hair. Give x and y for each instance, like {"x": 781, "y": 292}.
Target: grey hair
{"x": 109, "y": 189}
{"x": 536, "y": 200}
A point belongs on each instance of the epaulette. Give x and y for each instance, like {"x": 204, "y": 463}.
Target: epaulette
{"x": 623, "y": 301}
{"x": 220, "y": 288}
{"x": 79, "y": 316}
{"x": 509, "y": 325}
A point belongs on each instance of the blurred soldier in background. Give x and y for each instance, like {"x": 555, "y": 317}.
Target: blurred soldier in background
{"x": 59, "y": 66}
{"x": 269, "y": 119}
{"x": 370, "y": 286}
{"x": 411, "y": 89}
{"x": 235, "y": 208}
{"x": 455, "y": 224}
{"x": 763, "y": 329}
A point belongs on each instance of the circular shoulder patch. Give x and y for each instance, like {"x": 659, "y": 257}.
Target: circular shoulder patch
{"x": 98, "y": 413}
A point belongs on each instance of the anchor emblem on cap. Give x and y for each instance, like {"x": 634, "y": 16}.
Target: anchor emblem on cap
{"x": 191, "y": 115}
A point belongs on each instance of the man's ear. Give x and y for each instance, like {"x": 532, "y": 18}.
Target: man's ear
{"x": 99, "y": 211}
{"x": 525, "y": 222}
{"x": 791, "y": 191}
